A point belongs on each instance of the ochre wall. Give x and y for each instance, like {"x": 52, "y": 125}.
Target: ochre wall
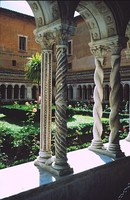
{"x": 82, "y": 59}
{"x": 13, "y": 24}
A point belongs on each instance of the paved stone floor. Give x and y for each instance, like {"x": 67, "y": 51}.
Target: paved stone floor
{"x": 26, "y": 176}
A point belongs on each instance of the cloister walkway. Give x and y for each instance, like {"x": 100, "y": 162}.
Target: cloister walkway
{"x": 25, "y": 177}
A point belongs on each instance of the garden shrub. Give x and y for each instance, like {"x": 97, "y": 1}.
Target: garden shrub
{"x": 22, "y": 146}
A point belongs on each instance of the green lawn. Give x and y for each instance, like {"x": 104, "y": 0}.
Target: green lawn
{"x": 17, "y": 125}
{"x": 4, "y": 122}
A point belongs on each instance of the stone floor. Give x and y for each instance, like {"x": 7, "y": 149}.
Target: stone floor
{"x": 26, "y": 176}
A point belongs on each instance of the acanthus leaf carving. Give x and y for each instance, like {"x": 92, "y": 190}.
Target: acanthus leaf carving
{"x": 58, "y": 34}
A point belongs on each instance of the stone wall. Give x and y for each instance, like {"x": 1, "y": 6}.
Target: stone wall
{"x": 13, "y": 25}
{"x": 106, "y": 182}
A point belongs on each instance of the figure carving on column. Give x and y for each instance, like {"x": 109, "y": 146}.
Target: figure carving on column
{"x": 99, "y": 53}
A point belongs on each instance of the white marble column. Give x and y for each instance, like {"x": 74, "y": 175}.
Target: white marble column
{"x": 29, "y": 92}
{"x": 99, "y": 53}
{"x": 46, "y": 106}
{"x": 115, "y": 100}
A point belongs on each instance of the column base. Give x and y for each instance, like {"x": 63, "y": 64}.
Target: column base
{"x": 44, "y": 156}
{"x": 51, "y": 167}
{"x": 128, "y": 138}
{"x": 96, "y": 145}
{"x": 115, "y": 151}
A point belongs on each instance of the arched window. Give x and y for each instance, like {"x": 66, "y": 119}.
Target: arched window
{"x": 2, "y": 91}
{"x": 22, "y": 92}
{"x": 126, "y": 92}
{"x": 34, "y": 92}
{"x": 106, "y": 93}
{"x": 70, "y": 92}
{"x": 84, "y": 92}
{"x": 79, "y": 92}
{"x": 9, "y": 92}
{"x": 16, "y": 92}
{"x": 90, "y": 92}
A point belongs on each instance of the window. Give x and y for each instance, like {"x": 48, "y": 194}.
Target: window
{"x": 69, "y": 50}
{"x": 13, "y": 63}
{"x": 22, "y": 43}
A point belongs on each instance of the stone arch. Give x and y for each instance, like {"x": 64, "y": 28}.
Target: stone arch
{"x": 34, "y": 92}
{"x": 70, "y": 92}
{"x": 126, "y": 92}
{"x": 9, "y": 91}
{"x": 44, "y": 12}
{"x": 90, "y": 92}
{"x": 3, "y": 90}
{"x": 106, "y": 92}
{"x": 121, "y": 92}
{"x": 84, "y": 92}
{"x": 16, "y": 91}
{"x": 79, "y": 92}
{"x": 99, "y": 19}
{"x": 22, "y": 92}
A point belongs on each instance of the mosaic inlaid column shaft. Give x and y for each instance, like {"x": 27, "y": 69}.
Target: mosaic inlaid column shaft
{"x": 61, "y": 107}
{"x": 46, "y": 106}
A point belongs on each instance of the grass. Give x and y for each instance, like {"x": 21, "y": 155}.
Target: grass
{"x": 17, "y": 125}
{"x": 4, "y": 122}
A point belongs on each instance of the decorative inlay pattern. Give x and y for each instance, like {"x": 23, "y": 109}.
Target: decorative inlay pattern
{"x": 61, "y": 104}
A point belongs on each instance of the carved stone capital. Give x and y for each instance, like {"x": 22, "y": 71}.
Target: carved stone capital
{"x": 46, "y": 40}
{"x": 117, "y": 44}
{"x": 63, "y": 33}
{"x": 114, "y": 44}
{"x": 56, "y": 32}
{"x": 98, "y": 51}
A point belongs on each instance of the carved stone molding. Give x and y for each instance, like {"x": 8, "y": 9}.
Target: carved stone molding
{"x": 98, "y": 51}
{"x": 58, "y": 33}
{"x": 114, "y": 44}
{"x": 117, "y": 44}
{"x": 35, "y": 7}
{"x": 103, "y": 24}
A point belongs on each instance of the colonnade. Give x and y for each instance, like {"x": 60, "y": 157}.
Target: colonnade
{"x": 58, "y": 164}
{"x": 11, "y": 92}
{"x": 85, "y": 92}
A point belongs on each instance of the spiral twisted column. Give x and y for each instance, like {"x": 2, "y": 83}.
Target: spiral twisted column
{"x": 61, "y": 107}
{"x": 115, "y": 100}
{"x": 97, "y": 108}
{"x": 46, "y": 106}
{"x": 98, "y": 97}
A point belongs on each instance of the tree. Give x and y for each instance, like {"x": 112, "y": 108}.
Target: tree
{"x": 33, "y": 70}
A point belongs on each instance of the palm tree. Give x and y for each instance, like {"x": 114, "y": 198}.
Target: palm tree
{"x": 33, "y": 70}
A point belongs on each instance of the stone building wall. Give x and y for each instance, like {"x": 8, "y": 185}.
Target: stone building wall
{"x": 13, "y": 25}
{"x": 13, "y": 59}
